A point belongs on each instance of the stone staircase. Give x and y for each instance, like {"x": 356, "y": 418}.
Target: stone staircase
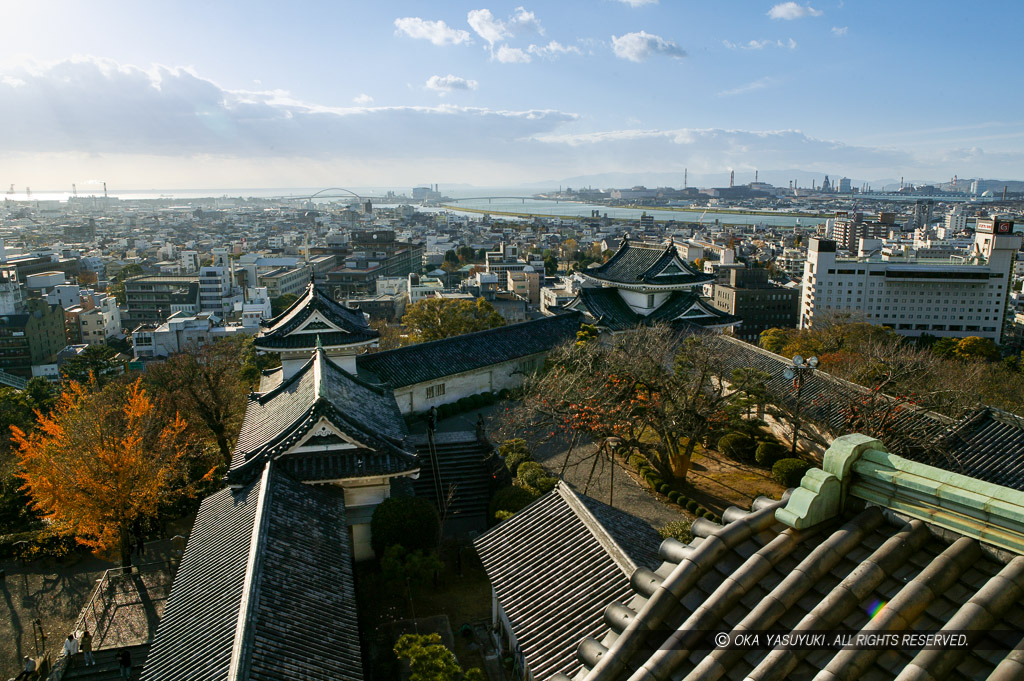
{"x": 468, "y": 468}
{"x": 106, "y": 667}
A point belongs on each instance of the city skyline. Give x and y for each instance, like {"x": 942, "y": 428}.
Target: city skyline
{"x": 502, "y": 93}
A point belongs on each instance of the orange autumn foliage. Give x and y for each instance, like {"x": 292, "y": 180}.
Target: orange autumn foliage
{"x": 101, "y": 462}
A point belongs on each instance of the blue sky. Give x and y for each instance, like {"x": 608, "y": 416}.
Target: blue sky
{"x": 267, "y": 94}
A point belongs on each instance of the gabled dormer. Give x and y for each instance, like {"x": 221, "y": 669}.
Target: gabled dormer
{"x": 342, "y": 331}
{"x": 646, "y": 268}
{"x": 326, "y": 425}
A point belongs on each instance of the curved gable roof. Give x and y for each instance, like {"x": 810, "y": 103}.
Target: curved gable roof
{"x": 640, "y": 264}
{"x": 277, "y": 419}
{"x": 346, "y": 326}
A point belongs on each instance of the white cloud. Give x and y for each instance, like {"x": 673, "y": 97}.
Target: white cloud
{"x": 511, "y": 55}
{"x": 100, "y": 107}
{"x": 486, "y": 26}
{"x": 836, "y": 30}
{"x": 162, "y": 126}
{"x": 436, "y": 32}
{"x": 641, "y": 45}
{"x": 758, "y": 84}
{"x": 523, "y": 21}
{"x": 552, "y": 49}
{"x": 791, "y": 10}
{"x": 450, "y": 83}
{"x": 638, "y": 3}
{"x": 363, "y": 99}
{"x": 760, "y": 44}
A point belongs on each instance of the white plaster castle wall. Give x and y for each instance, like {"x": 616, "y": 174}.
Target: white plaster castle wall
{"x": 493, "y": 378}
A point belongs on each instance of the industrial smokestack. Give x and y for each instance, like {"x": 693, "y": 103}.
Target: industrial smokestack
{"x": 732, "y": 178}
{"x": 1004, "y": 192}
{"x": 104, "y": 190}
{"x": 755, "y": 176}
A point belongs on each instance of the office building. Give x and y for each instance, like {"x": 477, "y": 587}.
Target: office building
{"x": 938, "y": 296}
{"x": 760, "y": 305}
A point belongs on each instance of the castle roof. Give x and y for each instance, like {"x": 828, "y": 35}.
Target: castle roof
{"x": 642, "y": 265}
{"x": 314, "y": 315}
{"x": 610, "y": 311}
{"x": 266, "y": 566}
{"x": 436, "y": 359}
{"x": 586, "y": 547}
{"x": 869, "y": 545}
{"x": 277, "y": 420}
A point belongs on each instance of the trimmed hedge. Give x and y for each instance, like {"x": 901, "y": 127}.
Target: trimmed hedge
{"x": 738, "y": 446}
{"x": 511, "y": 499}
{"x": 768, "y": 453}
{"x": 691, "y": 506}
{"x": 534, "y": 478}
{"x": 663, "y": 488}
{"x": 469, "y": 403}
{"x": 673, "y": 496}
{"x": 514, "y": 452}
{"x": 789, "y": 472}
{"x": 411, "y": 522}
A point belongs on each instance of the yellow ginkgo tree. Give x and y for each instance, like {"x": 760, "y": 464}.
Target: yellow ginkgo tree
{"x": 102, "y": 462}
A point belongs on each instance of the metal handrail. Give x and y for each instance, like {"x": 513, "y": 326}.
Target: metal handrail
{"x": 101, "y": 583}
{"x": 13, "y": 381}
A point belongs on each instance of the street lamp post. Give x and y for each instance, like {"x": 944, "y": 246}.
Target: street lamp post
{"x": 798, "y": 373}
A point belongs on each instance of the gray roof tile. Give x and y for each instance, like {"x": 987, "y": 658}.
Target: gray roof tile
{"x": 279, "y": 333}
{"x": 812, "y": 602}
{"x": 635, "y": 264}
{"x": 553, "y": 572}
{"x": 293, "y": 591}
{"x": 275, "y": 421}
{"x": 196, "y": 633}
{"x": 610, "y": 311}
{"x": 437, "y": 359}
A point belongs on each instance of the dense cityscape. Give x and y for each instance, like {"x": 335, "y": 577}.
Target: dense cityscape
{"x": 631, "y": 340}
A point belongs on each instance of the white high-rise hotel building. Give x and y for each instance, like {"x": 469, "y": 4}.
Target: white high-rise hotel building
{"x": 914, "y": 296}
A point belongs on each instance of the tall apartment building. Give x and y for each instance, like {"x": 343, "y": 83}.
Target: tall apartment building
{"x": 850, "y": 227}
{"x": 215, "y": 290}
{"x": 32, "y": 336}
{"x": 938, "y": 296}
{"x": 956, "y": 221}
